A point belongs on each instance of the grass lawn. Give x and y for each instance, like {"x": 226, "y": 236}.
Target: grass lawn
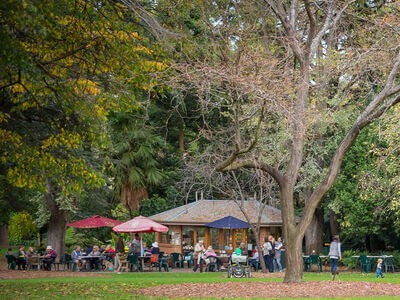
{"x": 122, "y": 286}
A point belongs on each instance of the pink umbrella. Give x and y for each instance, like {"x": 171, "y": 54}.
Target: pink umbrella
{"x": 140, "y": 225}
{"x": 95, "y": 222}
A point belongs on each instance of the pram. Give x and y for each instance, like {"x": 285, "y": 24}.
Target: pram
{"x": 239, "y": 266}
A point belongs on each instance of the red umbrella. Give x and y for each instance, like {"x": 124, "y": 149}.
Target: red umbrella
{"x": 140, "y": 225}
{"x": 95, "y": 222}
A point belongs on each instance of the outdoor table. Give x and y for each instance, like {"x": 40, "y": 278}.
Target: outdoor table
{"x": 142, "y": 259}
{"x": 90, "y": 258}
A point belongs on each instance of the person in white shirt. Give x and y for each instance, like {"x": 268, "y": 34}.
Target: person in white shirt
{"x": 267, "y": 248}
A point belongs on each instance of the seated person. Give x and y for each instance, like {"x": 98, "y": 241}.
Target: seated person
{"x": 76, "y": 258}
{"x": 211, "y": 253}
{"x": 237, "y": 253}
{"x": 49, "y": 258}
{"x": 21, "y": 258}
{"x": 146, "y": 251}
{"x": 244, "y": 249}
{"x": 109, "y": 254}
{"x": 94, "y": 258}
{"x": 154, "y": 249}
{"x": 30, "y": 254}
{"x": 255, "y": 259}
{"x": 12, "y": 259}
{"x": 229, "y": 247}
{"x": 102, "y": 248}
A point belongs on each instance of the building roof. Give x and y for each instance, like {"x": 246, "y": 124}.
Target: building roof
{"x": 205, "y": 211}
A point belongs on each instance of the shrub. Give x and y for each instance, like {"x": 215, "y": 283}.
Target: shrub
{"x": 21, "y": 227}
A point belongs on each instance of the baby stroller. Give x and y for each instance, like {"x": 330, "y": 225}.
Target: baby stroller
{"x": 239, "y": 266}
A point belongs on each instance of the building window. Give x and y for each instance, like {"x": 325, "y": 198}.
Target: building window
{"x": 188, "y": 238}
{"x": 214, "y": 238}
{"x": 200, "y": 234}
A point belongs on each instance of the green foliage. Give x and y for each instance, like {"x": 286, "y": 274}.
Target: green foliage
{"x": 154, "y": 205}
{"x": 21, "y": 227}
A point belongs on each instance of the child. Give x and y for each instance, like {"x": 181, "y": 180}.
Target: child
{"x": 379, "y": 268}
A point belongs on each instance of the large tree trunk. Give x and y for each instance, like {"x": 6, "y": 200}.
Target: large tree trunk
{"x": 314, "y": 232}
{"x": 56, "y": 231}
{"x": 334, "y": 224}
{"x": 4, "y": 236}
{"x": 57, "y": 223}
{"x": 294, "y": 258}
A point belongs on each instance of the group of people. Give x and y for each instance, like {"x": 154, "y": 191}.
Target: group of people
{"x": 271, "y": 254}
{"x": 93, "y": 258}
{"x": 135, "y": 247}
{"x": 23, "y": 258}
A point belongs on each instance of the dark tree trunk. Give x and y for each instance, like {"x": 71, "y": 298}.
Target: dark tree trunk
{"x": 314, "y": 232}
{"x": 57, "y": 223}
{"x": 334, "y": 224}
{"x": 4, "y": 236}
{"x": 56, "y": 231}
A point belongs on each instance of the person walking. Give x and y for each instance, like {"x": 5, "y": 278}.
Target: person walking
{"x": 197, "y": 256}
{"x": 335, "y": 254}
{"x": 379, "y": 268}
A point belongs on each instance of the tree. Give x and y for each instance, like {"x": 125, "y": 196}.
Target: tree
{"x": 61, "y": 71}
{"x": 263, "y": 69}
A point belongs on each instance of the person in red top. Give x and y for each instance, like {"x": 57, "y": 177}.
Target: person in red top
{"x": 109, "y": 253}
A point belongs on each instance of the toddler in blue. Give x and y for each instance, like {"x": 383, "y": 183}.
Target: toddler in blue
{"x": 379, "y": 268}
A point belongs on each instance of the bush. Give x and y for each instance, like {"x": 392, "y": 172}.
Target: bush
{"x": 21, "y": 227}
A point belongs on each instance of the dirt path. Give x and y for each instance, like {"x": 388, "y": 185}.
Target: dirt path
{"x": 45, "y": 274}
{"x": 309, "y": 289}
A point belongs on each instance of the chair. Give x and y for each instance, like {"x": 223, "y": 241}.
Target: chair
{"x": 388, "y": 262}
{"x": 68, "y": 263}
{"x": 163, "y": 262}
{"x": 255, "y": 264}
{"x": 188, "y": 259}
{"x": 212, "y": 265}
{"x": 365, "y": 262}
{"x": 59, "y": 263}
{"x": 123, "y": 264}
{"x": 153, "y": 261}
{"x": 11, "y": 263}
{"x": 314, "y": 260}
{"x": 133, "y": 261}
{"x": 306, "y": 262}
{"x": 176, "y": 260}
{"x": 33, "y": 261}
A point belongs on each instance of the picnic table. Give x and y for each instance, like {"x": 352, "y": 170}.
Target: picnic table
{"x": 387, "y": 261}
{"x": 92, "y": 258}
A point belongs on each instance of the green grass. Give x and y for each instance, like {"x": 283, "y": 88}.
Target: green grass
{"x": 122, "y": 286}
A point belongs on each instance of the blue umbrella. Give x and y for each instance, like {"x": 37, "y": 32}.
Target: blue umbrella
{"x": 228, "y": 223}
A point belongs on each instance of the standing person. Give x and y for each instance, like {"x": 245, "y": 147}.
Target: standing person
{"x": 335, "y": 255}
{"x": 135, "y": 247}
{"x": 119, "y": 245}
{"x": 198, "y": 252}
{"x": 379, "y": 268}
{"x": 267, "y": 248}
{"x": 277, "y": 258}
